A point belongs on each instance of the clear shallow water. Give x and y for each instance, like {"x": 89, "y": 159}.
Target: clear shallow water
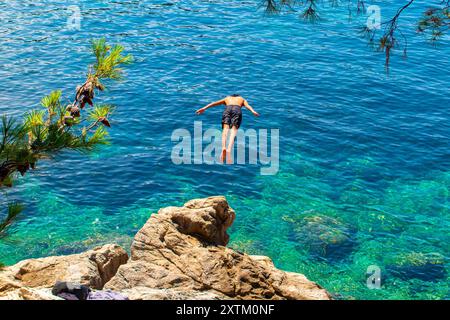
{"x": 364, "y": 156}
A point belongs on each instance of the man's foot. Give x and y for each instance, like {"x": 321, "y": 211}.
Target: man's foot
{"x": 229, "y": 158}
{"x": 223, "y": 155}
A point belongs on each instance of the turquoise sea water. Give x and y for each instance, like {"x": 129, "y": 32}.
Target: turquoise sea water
{"x": 364, "y": 156}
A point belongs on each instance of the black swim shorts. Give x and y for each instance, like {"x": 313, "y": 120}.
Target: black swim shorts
{"x": 232, "y": 116}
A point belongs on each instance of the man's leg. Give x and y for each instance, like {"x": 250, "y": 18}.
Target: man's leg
{"x": 233, "y": 134}
{"x": 225, "y": 130}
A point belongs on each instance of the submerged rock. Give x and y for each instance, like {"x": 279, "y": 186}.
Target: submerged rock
{"x": 322, "y": 236}
{"x": 379, "y": 222}
{"x": 418, "y": 265}
{"x": 180, "y": 253}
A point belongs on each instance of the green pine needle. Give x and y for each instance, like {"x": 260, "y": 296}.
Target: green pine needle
{"x": 109, "y": 59}
{"x": 99, "y": 111}
{"x": 14, "y": 209}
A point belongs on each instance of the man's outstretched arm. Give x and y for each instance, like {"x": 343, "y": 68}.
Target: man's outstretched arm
{"x": 212, "y": 104}
{"x": 246, "y": 105}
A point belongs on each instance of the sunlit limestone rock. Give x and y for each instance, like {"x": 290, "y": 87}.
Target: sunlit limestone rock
{"x": 28, "y": 279}
{"x": 145, "y": 293}
{"x": 180, "y": 253}
{"x": 183, "y": 249}
{"x": 29, "y": 294}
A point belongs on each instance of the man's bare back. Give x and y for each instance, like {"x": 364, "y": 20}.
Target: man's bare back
{"x": 234, "y": 101}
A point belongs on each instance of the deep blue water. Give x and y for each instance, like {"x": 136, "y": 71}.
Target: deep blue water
{"x": 363, "y": 154}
